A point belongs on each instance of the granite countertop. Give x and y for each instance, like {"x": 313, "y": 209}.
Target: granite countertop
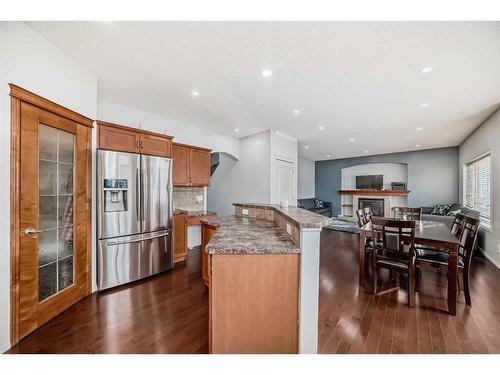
{"x": 242, "y": 235}
{"x": 303, "y": 218}
{"x": 194, "y": 213}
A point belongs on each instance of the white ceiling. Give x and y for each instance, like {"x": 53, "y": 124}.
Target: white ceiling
{"x": 359, "y": 80}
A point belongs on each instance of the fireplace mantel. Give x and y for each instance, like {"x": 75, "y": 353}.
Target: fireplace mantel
{"x": 375, "y": 192}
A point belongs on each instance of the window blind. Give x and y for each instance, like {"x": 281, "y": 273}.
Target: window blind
{"x": 477, "y": 187}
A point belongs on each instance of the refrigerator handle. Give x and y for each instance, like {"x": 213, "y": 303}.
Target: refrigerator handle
{"x": 137, "y": 194}
{"x": 143, "y": 189}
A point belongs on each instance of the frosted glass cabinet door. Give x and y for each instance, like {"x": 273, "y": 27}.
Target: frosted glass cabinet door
{"x": 55, "y": 245}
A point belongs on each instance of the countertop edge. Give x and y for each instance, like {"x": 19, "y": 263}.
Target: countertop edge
{"x": 321, "y": 220}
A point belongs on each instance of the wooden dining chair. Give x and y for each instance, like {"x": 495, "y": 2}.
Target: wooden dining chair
{"x": 467, "y": 233}
{"x": 361, "y": 217}
{"x": 407, "y": 213}
{"x": 398, "y": 257}
{"x": 368, "y": 213}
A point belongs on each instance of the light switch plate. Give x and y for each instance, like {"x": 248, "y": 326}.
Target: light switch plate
{"x": 199, "y": 198}
{"x": 288, "y": 228}
{"x": 244, "y": 211}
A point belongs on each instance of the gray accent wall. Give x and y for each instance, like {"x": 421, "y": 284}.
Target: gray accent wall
{"x": 486, "y": 138}
{"x": 432, "y": 176}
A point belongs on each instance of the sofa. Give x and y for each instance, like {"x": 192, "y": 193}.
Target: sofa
{"x": 308, "y": 204}
{"x": 448, "y": 220}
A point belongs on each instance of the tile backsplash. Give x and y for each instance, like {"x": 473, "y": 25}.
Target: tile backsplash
{"x": 185, "y": 198}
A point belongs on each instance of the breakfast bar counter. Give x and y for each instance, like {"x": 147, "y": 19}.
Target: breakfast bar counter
{"x": 262, "y": 269}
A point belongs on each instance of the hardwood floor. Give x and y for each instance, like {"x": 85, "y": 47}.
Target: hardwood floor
{"x": 169, "y": 313}
{"x": 353, "y": 321}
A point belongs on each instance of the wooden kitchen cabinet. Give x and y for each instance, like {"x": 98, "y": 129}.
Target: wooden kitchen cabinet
{"x": 156, "y": 145}
{"x": 117, "y": 138}
{"x": 207, "y": 232}
{"x": 180, "y": 237}
{"x": 122, "y": 138}
{"x": 191, "y": 165}
{"x": 180, "y": 155}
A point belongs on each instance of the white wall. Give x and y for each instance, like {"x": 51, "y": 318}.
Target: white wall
{"x": 245, "y": 180}
{"x": 282, "y": 147}
{"x": 485, "y": 138}
{"x": 305, "y": 178}
{"x": 183, "y": 132}
{"x": 392, "y": 172}
{"x": 31, "y": 62}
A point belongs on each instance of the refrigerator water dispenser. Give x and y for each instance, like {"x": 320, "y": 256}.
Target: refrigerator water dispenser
{"x": 115, "y": 195}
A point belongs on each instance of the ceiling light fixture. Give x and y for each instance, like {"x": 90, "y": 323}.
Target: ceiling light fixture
{"x": 366, "y": 151}
{"x": 266, "y": 73}
{"x": 195, "y": 93}
{"x": 306, "y": 147}
{"x": 427, "y": 69}
{"x": 296, "y": 111}
{"x": 328, "y": 156}
{"x": 417, "y": 145}
{"x": 351, "y": 140}
{"x": 419, "y": 128}
{"x": 236, "y": 130}
{"x": 321, "y": 127}
{"x": 424, "y": 105}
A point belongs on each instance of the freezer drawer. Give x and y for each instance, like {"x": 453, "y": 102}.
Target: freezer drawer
{"x": 156, "y": 254}
{"x": 125, "y": 259}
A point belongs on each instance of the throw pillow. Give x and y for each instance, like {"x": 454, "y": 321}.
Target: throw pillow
{"x": 454, "y": 212}
{"x": 441, "y": 209}
{"x": 318, "y": 203}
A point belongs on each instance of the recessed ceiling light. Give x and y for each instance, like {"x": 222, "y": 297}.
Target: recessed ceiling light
{"x": 417, "y": 145}
{"x": 306, "y": 147}
{"x": 195, "y": 93}
{"x": 328, "y": 155}
{"x": 419, "y": 128}
{"x": 424, "y": 105}
{"x": 351, "y": 139}
{"x": 427, "y": 69}
{"x": 266, "y": 73}
{"x": 366, "y": 151}
{"x": 321, "y": 127}
{"x": 236, "y": 130}
{"x": 296, "y": 111}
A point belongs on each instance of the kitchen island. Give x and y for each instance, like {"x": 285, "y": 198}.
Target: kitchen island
{"x": 263, "y": 277}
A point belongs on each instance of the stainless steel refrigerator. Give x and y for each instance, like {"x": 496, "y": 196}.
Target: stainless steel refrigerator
{"x": 134, "y": 216}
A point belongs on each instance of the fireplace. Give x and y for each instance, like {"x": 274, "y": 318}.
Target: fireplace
{"x": 376, "y": 205}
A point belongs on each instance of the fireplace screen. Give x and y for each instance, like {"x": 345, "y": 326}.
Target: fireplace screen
{"x": 376, "y": 205}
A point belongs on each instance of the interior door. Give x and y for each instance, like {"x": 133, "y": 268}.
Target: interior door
{"x": 286, "y": 186}
{"x": 54, "y": 217}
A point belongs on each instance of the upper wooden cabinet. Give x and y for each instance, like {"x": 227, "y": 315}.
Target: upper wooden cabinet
{"x": 156, "y": 145}
{"x": 191, "y": 165}
{"x": 118, "y": 138}
{"x": 121, "y": 138}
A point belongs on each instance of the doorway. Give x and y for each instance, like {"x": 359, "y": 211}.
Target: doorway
{"x": 50, "y": 210}
{"x": 286, "y": 182}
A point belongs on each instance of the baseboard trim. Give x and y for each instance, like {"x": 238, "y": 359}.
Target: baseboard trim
{"x": 4, "y": 348}
{"x": 489, "y": 257}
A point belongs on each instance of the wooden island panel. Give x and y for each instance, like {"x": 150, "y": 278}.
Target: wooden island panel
{"x": 254, "y": 301}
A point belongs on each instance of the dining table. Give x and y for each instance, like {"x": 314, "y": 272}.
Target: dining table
{"x": 427, "y": 233}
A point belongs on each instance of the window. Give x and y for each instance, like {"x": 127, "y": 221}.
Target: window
{"x": 477, "y": 187}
